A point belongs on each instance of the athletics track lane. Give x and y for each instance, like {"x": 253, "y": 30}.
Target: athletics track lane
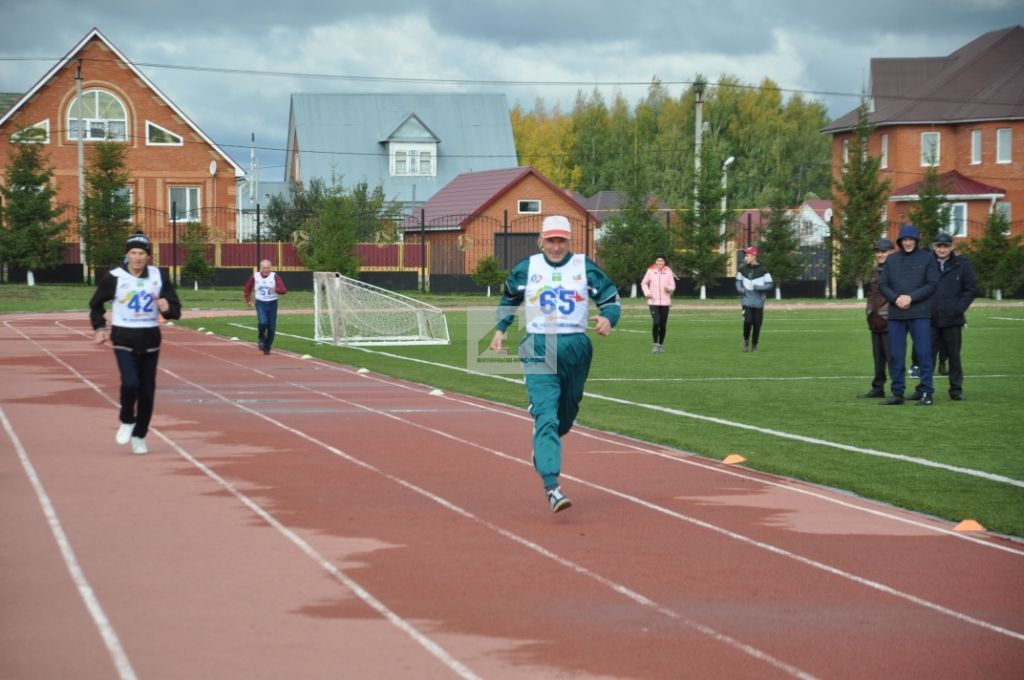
{"x": 428, "y": 506}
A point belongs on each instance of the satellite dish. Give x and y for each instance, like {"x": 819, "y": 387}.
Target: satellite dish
{"x": 213, "y": 168}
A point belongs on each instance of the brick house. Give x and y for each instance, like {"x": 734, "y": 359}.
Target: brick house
{"x": 963, "y": 114}
{"x": 495, "y": 212}
{"x": 170, "y": 160}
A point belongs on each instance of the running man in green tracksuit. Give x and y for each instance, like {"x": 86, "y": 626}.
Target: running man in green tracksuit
{"x": 555, "y": 285}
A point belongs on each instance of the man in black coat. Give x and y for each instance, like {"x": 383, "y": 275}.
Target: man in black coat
{"x": 909, "y": 278}
{"x": 877, "y": 310}
{"x": 956, "y": 290}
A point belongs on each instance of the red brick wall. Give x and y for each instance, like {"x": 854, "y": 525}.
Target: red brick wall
{"x": 553, "y": 202}
{"x": 905, "y": 167}
{"x": 153, "y": 169}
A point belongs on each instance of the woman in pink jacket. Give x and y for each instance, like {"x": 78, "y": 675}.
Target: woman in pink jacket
{"x": 659, "y": 283}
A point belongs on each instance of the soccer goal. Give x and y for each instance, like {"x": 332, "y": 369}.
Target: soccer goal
{"x": 351, "y": 312}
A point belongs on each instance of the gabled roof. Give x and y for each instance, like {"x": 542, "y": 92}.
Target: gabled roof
{"x": 344, "y": 135}
{"x": 954, "y": 185}
{"x": 470, "y": 194}
{"x": 411, "y": 129}
{"x": 983, "y": 80}
{"x": 95, "y": 33}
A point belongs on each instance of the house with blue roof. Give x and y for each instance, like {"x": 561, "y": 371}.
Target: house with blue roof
{"x": 410, "y": 144}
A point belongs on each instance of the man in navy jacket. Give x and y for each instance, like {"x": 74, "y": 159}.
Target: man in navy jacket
{"x": 909, "y": 280}
{"x": 955, "y": 292}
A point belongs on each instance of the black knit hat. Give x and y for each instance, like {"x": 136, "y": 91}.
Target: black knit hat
{"x": 139, "y": 240}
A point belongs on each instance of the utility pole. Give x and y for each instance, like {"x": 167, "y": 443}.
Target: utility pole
{"x": 81, "y": 174}
{"x": 698, "y": 133}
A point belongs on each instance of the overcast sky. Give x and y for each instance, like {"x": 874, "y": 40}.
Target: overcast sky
{"x": 820, "y": 48}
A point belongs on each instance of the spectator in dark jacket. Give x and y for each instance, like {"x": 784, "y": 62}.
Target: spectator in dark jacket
{"x": 878, "y": 320}
{"x": 909, "y": 278}
{"x": 956, "y": 290}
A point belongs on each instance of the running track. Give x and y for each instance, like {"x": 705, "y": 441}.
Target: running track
{"x": 301, "y": 520}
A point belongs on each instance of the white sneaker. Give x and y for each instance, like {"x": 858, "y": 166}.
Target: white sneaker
{"x": 558, "y": 500}
{"x": 124, "y": 433}
{"x": 139, "y": 446}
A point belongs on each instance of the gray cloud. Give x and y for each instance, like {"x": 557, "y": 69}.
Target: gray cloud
{"x": 810, "y": 46}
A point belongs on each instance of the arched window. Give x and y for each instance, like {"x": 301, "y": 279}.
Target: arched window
{"x": 103, "y": 117}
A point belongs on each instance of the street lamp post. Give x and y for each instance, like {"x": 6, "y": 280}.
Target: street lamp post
{"x": 725, "y": 201}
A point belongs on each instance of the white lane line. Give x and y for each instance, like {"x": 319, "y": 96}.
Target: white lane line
{"x": 584, "y": 431}
{"x": 960, "y": 616}
{"x": 85, "y": 591}
{"x": 924, "y": 462}
{"x": 835, "y": 571}
{"x": 768, "y": 378}
{"x": 578, "y": 568}
{"x": 432, "y": 647}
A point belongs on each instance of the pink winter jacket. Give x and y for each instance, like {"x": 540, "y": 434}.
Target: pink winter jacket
{"x": 658, "y": 286}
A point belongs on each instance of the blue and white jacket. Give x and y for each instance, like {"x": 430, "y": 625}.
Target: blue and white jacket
{"x": 753, "y": 283}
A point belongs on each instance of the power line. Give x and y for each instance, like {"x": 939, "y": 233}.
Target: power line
{"x": 518, "y": 83}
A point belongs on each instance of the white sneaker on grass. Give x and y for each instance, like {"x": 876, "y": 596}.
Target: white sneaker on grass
{"x": 139, "y": 446}
{"x": 124, "y": 433}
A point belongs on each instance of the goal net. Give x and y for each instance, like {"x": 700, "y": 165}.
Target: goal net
{"x": 351, "y": 312}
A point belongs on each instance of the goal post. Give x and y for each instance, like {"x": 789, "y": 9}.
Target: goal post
{"x": 351, "y": 312}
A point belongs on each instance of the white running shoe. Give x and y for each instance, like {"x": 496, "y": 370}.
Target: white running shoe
{"x": 558, "y": 500}
{"x": 124, "y": 433}
{"x": 139, "y": 446}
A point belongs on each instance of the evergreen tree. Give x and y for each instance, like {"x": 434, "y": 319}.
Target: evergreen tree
{"x": 858, "y": 198}
{"x": 930, "y": 214}
{"x": 344, "y": 218}
{"x": 107, "y": 211}
{"x": 699, "y": 224}
{"x": 489, "y": 273}
{"x": 997, "y": 257}
{"x": 286, "y": 216}
{"x": 588, "y": 154}
{"x": 632, "y": 238}
{"x": 195, "y": 243}
{"x": 31, "y": 231}
{"x": 780, "y": 244}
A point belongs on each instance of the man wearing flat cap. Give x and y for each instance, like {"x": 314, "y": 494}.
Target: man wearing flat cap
{"x": 878, "y": 321}
{"x": 955, "y": 292}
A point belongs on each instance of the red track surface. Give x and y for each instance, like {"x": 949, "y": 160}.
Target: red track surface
{"x": 296, "y": 519}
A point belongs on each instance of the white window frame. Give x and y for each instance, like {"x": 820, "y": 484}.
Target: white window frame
{"x": 884, "y": 158}
{"x": 846, "y": 151}
{"x": 411, "y": 159}
{"x": 43, "y": 125}
{"x": 1004, "y": 145}
{"x": 957, "y": 225}
{"x": 976, "y": 140}
{"x": 151, "y": 124}
{"x": 925, "y": 147}
{"x": 526, "y": 202}
{"x": 190, "y": 213}
{"x": 96, "y": 127}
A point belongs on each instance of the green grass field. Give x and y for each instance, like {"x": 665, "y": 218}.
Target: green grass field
{"x": 789, "y": 409}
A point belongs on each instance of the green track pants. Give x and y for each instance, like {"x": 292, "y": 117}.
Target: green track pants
{"x": 555, "y": 390}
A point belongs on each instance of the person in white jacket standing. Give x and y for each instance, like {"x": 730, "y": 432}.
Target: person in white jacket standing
{"x": 658, "y": 285}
